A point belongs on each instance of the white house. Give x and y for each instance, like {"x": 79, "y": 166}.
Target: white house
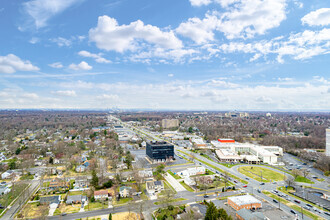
{"x": 192, "y": 171}
{"x": 6, "y": 174}
{"x": 145, "y": 173}
{"x": 189, "y": 181}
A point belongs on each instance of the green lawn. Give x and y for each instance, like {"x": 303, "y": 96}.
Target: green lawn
{"x": 302, "y": 179}
{"x": 255, "y": 172}
{"x": 27, "y": 177}
{"x": 96, "y": 205}
{"x": 176, "y": 176}
{"x": 123, "y": 201}
{"x": 73, "y": 193}
{"x": 186, "y": 186}
{"x": 171, "y": 201}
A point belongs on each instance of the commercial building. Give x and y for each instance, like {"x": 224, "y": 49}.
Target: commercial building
{"x": 160, "y": 150}
{"x": 170, "y": 123}
{"x": 327, "y": 152}
{"x": 244, "y": 202}
{"x": 229, "y": 151}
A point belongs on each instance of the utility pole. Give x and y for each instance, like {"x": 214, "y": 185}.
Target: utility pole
{"x": 261, "y": 175}
{"x": 302, "y": 212}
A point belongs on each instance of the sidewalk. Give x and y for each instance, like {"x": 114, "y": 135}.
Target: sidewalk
{"x": 174, "y": 183}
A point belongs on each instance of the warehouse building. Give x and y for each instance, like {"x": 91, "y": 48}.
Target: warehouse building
{"x": 244, "y": 202}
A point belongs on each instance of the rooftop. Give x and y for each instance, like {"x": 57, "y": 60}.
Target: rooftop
{"x": 244, "y": 200}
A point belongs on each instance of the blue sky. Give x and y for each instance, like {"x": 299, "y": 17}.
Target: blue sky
{"x": 173, "y": 54}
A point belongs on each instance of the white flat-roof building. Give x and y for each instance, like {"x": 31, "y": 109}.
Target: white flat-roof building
{"x": 229, "y": 150}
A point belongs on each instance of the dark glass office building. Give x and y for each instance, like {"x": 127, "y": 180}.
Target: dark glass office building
{"x": 157, "y": 150}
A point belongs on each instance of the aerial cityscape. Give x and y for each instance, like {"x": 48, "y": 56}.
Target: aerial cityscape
{"x": 151, "y": 109}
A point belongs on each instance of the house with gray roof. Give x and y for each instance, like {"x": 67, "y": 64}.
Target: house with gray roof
{"x": 76, "y": 199}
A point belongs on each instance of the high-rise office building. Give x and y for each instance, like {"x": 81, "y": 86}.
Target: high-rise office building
{"x": 160, "y": 150}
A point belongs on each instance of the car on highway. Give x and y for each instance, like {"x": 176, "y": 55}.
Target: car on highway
{"x": 275, "y": 191}
{"x": 63, "y": 214}
{"x": 306, "y": 207}
{"x": 235, "y": 181}
{"x": 262, "y": 183}
{"x": 296, "y": 201}
{"x": 245, "y": 186}
{"x": 309, "y": 205}
{"x": 327, "y": 213}
{"x": 247, "y": 178}
{"x": 258, "y": 190}
{"x": 206, "y": 196}
{"x": 274, "y": 200}
{"x": 293, "y": 211}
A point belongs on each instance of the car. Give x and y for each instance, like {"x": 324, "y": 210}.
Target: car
{"x": 63, "y": 214}
{"x": 306, "y": 207}
{"x": 274, "y": 200}
{"x": 217, "y": 172}
{"x": 247, "y": 178}
{"x": 206, "y": 196}
{"x": 262, "y": 183}
{"x": 293, "y": 211}
{"x": 245, "y": 186}
{"x": 274, "y": 182}
{"x": 327, "y": 213}
{"x": 181, "y": 157}
{"x": 309, "y": 205}
{"x": 275, "y": 191}
{"x": 297, "y": 201}
{"x": 235, "y": 181}
{"x": 258, "y": 190}
{"x": 304, "y": 164}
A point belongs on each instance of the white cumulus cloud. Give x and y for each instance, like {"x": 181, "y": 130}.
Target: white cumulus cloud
{"x": 98, "y": 57}
{"x": 12, "y": 63}
{"x": 200, "y": 31}
{"x": 108, "y": 35}
{"x": 69, "y": 93}
{"x": 81, "y": 66}
{"x": 42, "y": 10}
{"x": 200, "y": 2}
{"x": 56, "y": 65}
{"x": 244, "y": 19}
{"x": 320, "y": 17}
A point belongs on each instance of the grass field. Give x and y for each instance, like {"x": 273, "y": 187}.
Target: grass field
{"x": 255, "y": 172}
{"x": 96, "y": 205}
{"x": 5, "y": 200}
{"x": 172, "y": 201}
{"x": 176, "y": 176}
{"x": 302, "y": 179}
{"x": 125, "y": 215}
{"x": 186, "y": 186}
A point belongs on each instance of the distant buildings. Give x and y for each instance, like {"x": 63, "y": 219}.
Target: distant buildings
{"x": 160, "y": 150}
{"x": 327, "y": 152}
{"x": 244, "y": 202}
{"x": 237, "y": 115}
{"x": 170, "y": 123}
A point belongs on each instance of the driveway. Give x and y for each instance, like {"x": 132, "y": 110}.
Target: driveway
{"x": 174, "y": 183}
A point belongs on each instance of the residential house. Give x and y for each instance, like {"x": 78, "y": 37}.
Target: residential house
{"x": 4, "y": 190}
{"x": 8, "y": 174}
{"x": 159, "y": 186}
{"x": 189, "y": 181}
{"x": 145, "y": 173}
{"x": 80, "y": 169}
{"x": 101, "y": 194}
{"x": 58, "y": 183}
{"x": 124, "y": 191}
{"x": 75, "y": 199}
{"x": 192, "y": 171}
{"x": 81, "y": 184}
{"x": 150, "y": 187}
{"x": 50, "y": 200}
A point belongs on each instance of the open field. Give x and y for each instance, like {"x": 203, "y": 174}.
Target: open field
{"x": 260, "y": 173}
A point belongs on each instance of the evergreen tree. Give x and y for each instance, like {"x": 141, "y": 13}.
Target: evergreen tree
{"x": 211, "y": 212}
{"x": 95, "y": 179}
{"x": 110, "y": 216}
